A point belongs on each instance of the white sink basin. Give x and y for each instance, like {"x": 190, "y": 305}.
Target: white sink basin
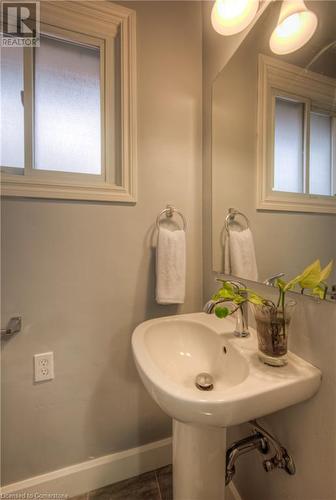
{"x": 171, "y": 352}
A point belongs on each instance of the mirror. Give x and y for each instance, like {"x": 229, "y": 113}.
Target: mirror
{"x": 274, "y": 151}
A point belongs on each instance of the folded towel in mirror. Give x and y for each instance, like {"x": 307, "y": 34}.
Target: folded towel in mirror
{"x": 170, "y": 266}
{"x": 239, "y": 255}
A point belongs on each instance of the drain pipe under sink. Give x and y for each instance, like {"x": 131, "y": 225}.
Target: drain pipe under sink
{"x": 264, "y": 442}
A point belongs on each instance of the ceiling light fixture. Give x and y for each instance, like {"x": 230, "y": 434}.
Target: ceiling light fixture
{"x": 229, "y": 17}
{"x": 296, "y": 26}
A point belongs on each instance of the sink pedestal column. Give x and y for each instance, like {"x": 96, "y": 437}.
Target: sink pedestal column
{"x": 198, "y": 462}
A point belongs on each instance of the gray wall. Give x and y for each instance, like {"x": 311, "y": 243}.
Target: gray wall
{"x": 82, "y": 274}
{"x": 308, "y": 429}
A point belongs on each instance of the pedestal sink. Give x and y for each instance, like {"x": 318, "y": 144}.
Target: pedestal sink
{"x": 171, "y": 352}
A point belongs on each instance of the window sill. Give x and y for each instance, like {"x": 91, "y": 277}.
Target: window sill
{"x": 290, "y": 202}
{"x": 13, "y": 186}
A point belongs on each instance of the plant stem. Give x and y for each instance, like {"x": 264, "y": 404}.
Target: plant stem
{"x": 325, "y": 292}
{"x": 283, "y": 312}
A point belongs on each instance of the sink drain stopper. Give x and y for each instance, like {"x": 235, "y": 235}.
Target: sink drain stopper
{"x": 204, "y": 382}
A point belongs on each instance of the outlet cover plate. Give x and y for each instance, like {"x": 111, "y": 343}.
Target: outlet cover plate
{"x": 44, "y": 366}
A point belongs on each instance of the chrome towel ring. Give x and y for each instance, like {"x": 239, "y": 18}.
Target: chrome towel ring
{"x": 169, "y": 211}
{"x": 231, "y": 217}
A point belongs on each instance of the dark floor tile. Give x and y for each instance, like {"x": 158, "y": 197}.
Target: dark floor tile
{"x": 144, "y": 487}
{"x": 165, "y": 480}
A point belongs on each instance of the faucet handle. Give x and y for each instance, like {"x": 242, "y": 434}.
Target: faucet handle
{"x": 240, "y": 285}
{"x": 271, "y": 281}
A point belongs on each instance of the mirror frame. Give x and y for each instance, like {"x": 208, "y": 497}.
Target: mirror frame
{"x": 275, "y": 75}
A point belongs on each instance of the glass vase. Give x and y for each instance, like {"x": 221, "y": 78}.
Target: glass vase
{"x": 273, "y": 324}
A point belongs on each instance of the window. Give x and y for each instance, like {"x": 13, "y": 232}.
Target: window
{"x": 289, "y": 145}
{"x": 304, "y": 160}
{"x": 322, "y": 162}
{"x": 12, "y": 118}
{"x": 68, "y": 106}
{"x": 296, "y": 138}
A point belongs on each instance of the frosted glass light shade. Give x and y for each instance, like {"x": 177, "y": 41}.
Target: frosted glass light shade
{"x": 229, "y": 17}
{"x": 295, "y": 27}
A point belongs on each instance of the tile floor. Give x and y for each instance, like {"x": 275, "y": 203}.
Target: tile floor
{"x": 156, "y": 485}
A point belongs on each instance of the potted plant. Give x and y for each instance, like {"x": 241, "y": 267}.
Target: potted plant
{"x": 273, "y": 318}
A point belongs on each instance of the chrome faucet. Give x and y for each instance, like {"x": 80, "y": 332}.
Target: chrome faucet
{"x": 271, "y": 281}
{"x": 241, "y": 329}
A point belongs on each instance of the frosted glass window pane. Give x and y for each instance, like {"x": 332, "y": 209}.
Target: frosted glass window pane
{"x": 67, "y": 107}
{"x": 288, "y": 146}
{"x": 12, "y": 122}
{"x": 320, "y": 154}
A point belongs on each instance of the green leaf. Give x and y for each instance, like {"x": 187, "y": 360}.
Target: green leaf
{"x": 255, "y": 299}
{"x": 281, "y": 283}
{"x": 325, "y": 273}
{"x": 238, "y": 299}
{"x": 227, "y": 286}
{"x": 229, "y": 292}
{"x": 226, "y": 294}
{"x": 309, "y": 278}
{"x": 319, "y": 291}
{"x": 222, "y": 312}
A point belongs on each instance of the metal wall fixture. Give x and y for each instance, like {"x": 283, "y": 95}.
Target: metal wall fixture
{"x": 231, "y": 217}
{"x": 14, "y": 326}
{"x": 169, "y": 211}
{"x": 265, "y": 443}
{"x": 272, "y": 280}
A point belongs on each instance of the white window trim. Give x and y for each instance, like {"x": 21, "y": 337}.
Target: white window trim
{"x": 100, "y": 22}
{"x": 278, "y": 77}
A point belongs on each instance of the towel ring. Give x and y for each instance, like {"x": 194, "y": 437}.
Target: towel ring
{"x": 231, "y": 217}
{"x": 169, "y": 211}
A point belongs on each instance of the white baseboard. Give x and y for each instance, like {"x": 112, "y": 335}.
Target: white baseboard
{"x": 99, "y": 472}
{"x": 96, "y": 473}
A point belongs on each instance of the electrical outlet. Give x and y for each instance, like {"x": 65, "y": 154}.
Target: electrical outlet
{"x": 44, "y": 366}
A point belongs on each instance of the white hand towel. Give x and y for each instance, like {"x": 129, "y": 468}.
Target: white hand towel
{"x": 227, "y": 262}
{"x": 170, "y": 267}
{"x": 242, "y": 255}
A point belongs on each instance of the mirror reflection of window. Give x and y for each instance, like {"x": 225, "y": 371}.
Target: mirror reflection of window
{"x": 304, "y": 158}
{"x": 289, "y": 146}
{"x": 321, "y": 168}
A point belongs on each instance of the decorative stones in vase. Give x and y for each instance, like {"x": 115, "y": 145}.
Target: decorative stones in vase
{"x": 273, "y": 325}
